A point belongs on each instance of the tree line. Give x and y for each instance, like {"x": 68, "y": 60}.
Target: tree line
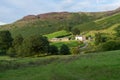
{"x": 35, "y": 45}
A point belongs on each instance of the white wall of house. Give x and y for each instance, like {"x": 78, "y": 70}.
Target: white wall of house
{"x": 80, "y": 38}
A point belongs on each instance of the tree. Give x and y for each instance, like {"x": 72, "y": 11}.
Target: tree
{"x": 35, "y": 45}
{"x": 5, "y": 41}
{"x": 16, "y": 45}
{"x": 18, "y": 40}
{"x": 64, "y": 50}
{"x": 53, "y": 50}
{"x": 75, "y": 31}
{"x": 99, "y": 38}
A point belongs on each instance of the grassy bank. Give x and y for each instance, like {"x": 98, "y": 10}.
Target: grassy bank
{"x": 96, "y": 66}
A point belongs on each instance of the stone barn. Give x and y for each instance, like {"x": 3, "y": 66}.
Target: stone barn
{"x": 59, "y": 39}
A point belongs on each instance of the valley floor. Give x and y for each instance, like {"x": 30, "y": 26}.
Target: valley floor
{"x": 95, "y": 66}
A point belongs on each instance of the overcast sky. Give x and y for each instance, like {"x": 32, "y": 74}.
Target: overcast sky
{"x": 12, "y": 10}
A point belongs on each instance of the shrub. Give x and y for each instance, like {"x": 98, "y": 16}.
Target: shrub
{"x": 75, "y": 50}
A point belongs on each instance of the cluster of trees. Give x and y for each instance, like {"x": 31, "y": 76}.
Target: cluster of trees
{"x": 31, "y": 46}
{"x": 110, "y": 45}
{"x": 99, "y": 38}
{"x": 105, "y": 44}
{"x": 64, "y": 50}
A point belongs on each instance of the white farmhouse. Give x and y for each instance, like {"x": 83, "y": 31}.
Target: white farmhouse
{"x": 80, "y": 38}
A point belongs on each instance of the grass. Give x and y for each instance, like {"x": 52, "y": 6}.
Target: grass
{"x": 68, "y": 43}
{"x": 100, "y": 24}
{"x": 57, "y": 34}
{"x": 96, "y": 66}
{"x": 5, "y": 58}
{"x": 107, "y": 25}
{"x": 110, "y": 31}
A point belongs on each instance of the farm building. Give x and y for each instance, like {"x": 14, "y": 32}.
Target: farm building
{"x": 59, "y": 39}
{"x": 80, "y": 38}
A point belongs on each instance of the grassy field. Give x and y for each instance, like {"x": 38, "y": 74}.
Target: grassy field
{"x": 57, "y": 34}
{"x": 96, "y": 66}
{"x": 69, "y": 43}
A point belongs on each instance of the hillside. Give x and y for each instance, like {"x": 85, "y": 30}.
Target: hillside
{"x": 100, "y": 24}
{"x": 94, "y": 66}
{"x": 103, "y": 13}
{"x": 49, "y": 23}
{"x": 56, "y": 21}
